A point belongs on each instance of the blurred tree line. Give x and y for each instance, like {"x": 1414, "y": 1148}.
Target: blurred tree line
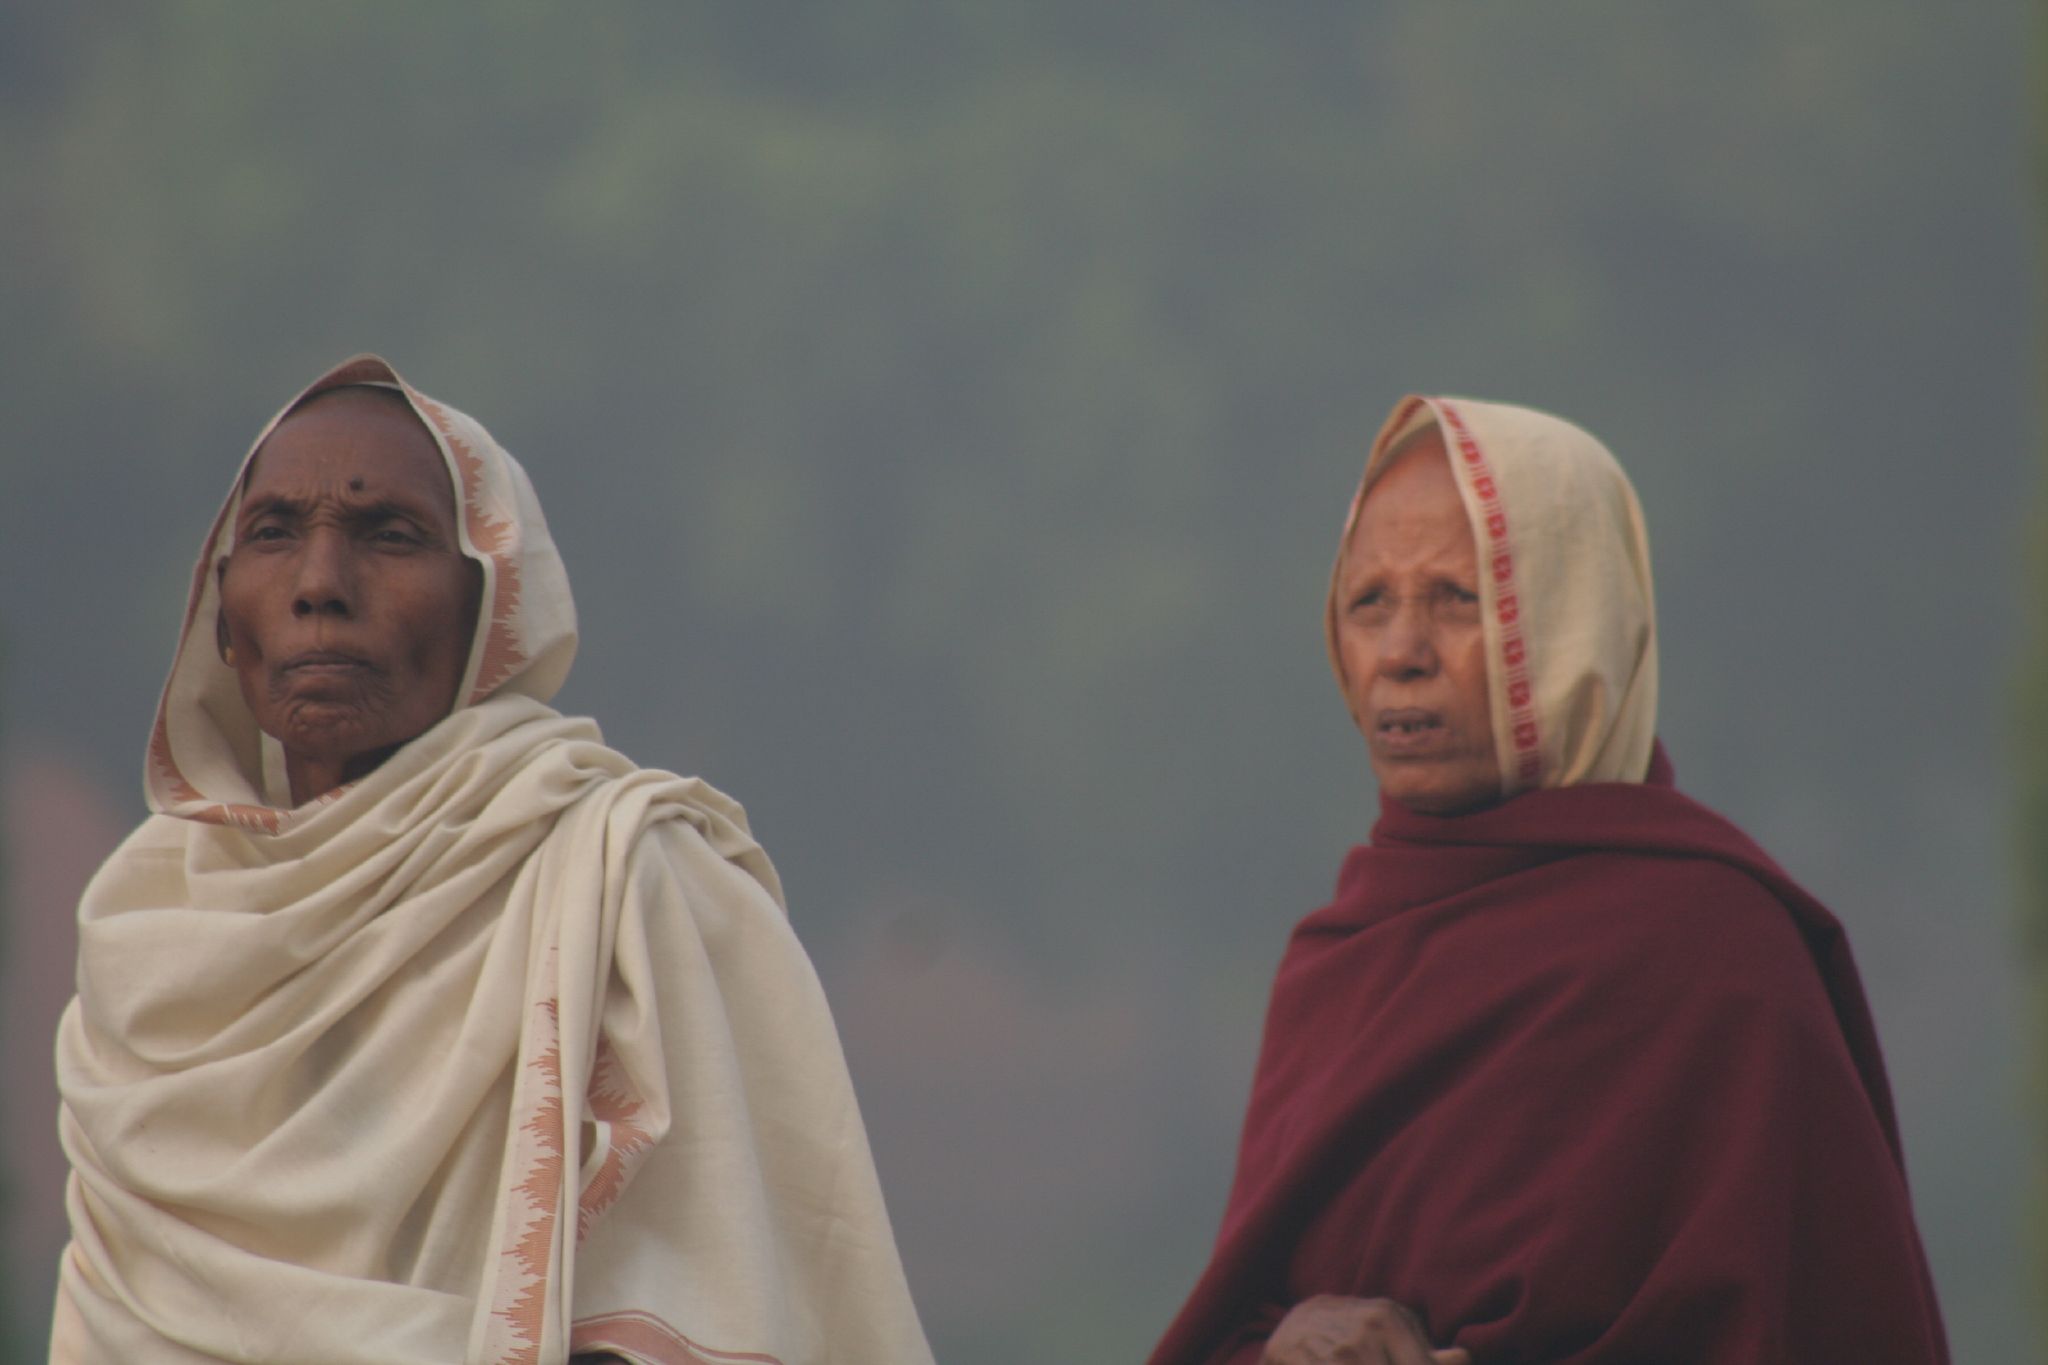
{"x": 946, "y": 411}
{"x": 2031, "y": 727}
{"x": 2031, "y": 732}
{"x": 15, "y": 1343}
{"x": 989, "y": 353}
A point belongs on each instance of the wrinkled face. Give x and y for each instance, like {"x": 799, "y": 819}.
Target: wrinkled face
{"x": 347, "y": 605}
{"x": 1410, "y": 639}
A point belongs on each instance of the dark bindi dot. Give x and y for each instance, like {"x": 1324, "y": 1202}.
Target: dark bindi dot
{"x": 355, "y": 485}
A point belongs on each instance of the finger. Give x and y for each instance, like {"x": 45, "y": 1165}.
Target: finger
{"x": 1396, "y": 1333}
{"x": 1405, "y": 1350}
{"x": 1457, "y": 1355}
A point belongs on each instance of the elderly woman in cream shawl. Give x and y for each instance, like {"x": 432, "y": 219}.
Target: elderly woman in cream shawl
{"x": 415, "y": 1025}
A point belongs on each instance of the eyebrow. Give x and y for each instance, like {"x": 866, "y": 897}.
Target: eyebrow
{"x": 379, "y": 509}
{"x": 384, "y": 508}
{"x": 274, "y": 504}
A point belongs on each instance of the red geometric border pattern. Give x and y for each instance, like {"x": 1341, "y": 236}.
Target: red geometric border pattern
{"x": 1507, "y": 606}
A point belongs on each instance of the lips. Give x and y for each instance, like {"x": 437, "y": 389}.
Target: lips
{"x": 318, "y": 661}
{"x": 1408, "y": 731}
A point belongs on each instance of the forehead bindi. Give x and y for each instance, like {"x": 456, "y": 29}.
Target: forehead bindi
{"x": 352, "y": 448}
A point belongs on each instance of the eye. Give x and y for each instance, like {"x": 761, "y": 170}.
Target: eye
{"x": 264, "y": 531}
{"x": 1372, "y": 608}
{"x": 1457, "y": 603}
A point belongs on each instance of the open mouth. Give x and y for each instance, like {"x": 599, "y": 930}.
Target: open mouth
{"x": 1407, "y": 729}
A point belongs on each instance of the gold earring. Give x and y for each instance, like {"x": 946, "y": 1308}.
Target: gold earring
{"x": 227, "y": 656}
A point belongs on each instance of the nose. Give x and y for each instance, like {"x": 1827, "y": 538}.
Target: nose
{"x": 326, "y": 578}
{"x": 1407, "y": 644}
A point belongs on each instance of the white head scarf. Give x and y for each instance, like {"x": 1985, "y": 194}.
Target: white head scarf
{"x": 503, "y": 1051}
{"x": 207, "y": 759}
{"x": 1569, "y": 614}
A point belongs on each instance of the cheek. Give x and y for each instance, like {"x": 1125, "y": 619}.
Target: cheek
{"x": 237, "y": 607}
{"x": 440, "y": 619}
{"x": 1355, "y": 654}
{"x": 1474, "y": 696}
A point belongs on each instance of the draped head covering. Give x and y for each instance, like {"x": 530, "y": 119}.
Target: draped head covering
{"x": 501, "y": 1051}
{"x": 207, "y": 759}
{"x": 1583, "y": 1076}
{"x": 1564, "y": 586}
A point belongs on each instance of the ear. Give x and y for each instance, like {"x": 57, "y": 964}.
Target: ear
{"x": 220, "y": 617}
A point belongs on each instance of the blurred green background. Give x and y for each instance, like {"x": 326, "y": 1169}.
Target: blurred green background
{"x": 946, "y": 413}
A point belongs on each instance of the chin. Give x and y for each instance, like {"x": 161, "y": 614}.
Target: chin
{"x": 1445, "y": 796}
{"x": 319, "y": 728}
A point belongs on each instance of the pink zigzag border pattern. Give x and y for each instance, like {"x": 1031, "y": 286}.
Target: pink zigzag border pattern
{"x": 614, "y": 1101}
{"x": 496, "y": 537}
{"x": 651, "y": 1339}
{"x": 540, "y": 1151}
{"x": 520, "y": 1312}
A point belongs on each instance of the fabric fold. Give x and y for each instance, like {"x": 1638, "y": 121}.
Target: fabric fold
{"x": 506, "y": 1049}
{"x": 1583, "y": 1078}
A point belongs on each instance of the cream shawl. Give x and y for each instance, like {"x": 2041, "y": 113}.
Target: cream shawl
{"x": 504, "y": 1051}
{"x": 1570, "y": 618}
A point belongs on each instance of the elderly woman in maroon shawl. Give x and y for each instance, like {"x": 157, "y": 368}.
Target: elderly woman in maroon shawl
{"x": 1569, "y": 1070}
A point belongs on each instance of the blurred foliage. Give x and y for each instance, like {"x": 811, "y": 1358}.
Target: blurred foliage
{"x": 2030, "y": 820}
{"x": 2030, "y": 723}
{"x": 14, "y": 1343}
{"x": 949, "y": 344}
{"x": 946, "y": 411}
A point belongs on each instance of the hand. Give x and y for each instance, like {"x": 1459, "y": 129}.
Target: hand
{"x": 1330, "y": 1329}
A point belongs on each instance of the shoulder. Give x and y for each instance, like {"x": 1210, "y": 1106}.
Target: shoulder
{"x": 1688, "y": 889}
{"x": 1683, "y": 926}
{"x": 154, "y": 850}
{"x": 687, "y": 830}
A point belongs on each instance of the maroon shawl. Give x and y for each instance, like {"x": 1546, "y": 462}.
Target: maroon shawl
{"x": 1582, "y": 1078}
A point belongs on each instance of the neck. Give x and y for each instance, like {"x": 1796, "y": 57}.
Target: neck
{"x": 312, "y": 776}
